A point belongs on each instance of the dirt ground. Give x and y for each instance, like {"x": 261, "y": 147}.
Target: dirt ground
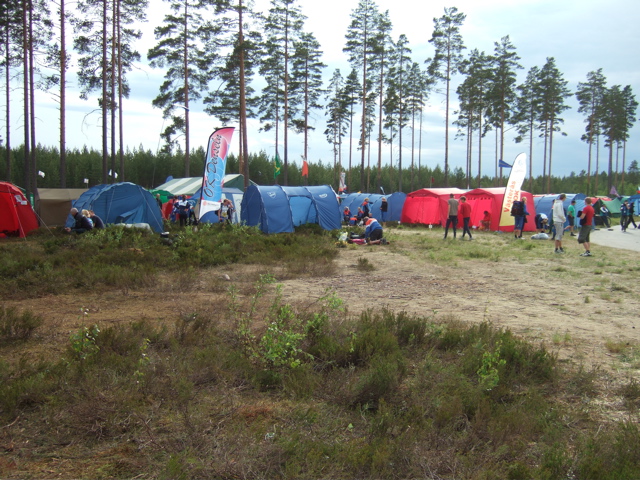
{"x": 574, "y": 315}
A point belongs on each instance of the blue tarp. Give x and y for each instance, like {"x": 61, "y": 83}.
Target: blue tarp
{"x": 120, "y": 203}
{"x": 277, "y": 209}
{"x": 544, "y": 204}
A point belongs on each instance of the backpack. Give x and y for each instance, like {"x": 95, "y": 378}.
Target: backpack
{"x": 517, "y": 209}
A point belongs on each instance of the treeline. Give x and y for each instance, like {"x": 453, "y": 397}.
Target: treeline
{"x": 240, "y": 63}
{"x": 150, "y": 170}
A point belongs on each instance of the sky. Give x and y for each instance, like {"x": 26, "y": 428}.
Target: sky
{"x": 582, "y": 36}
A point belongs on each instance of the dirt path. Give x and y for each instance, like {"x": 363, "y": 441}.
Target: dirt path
{"x": 574, "y": 315}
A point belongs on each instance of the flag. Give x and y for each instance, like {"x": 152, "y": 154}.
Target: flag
{"x": 305, "y": 169}
{"x": 638, "y": 191}
{"x": 343, "y": 185}
{"x": 41, "y": 173}
{"x": 113, "y": 174}
{"x": 503, "y": 164}
{"x": 278, "y": 165}
{"x": 86, "y": 180}
{"x": 512, "y": 191}
{"x": 613, "y": 192}
{"x": 215, "y": 164}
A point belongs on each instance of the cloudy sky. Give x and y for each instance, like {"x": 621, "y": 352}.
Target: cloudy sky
{"x": 582, "y": 36}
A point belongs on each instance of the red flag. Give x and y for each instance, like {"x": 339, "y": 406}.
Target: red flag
{"x": 305, "y": 168}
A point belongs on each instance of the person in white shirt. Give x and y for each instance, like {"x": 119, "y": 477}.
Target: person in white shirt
{"x": 559, "y": 217}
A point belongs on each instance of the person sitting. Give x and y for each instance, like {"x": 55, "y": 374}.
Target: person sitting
{"x": 359, "y": 214}
{"x": 485, "y": 223}
{"x": 373, "y": 232}
{"x": 96, "y": 220}
{"x": 346, "y": 215}
{"x": 82, "y": 224}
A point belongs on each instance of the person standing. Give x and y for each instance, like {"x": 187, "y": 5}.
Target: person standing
{"x": 631, "y": 207}
{"x": 559, "y": 218}
{"x": 465, "y": 213}
{"x": 183, "y": 209}
{"x": 604, "y": 213}
{"x": 571, "y": 215}
{"x": 453, "y": 216}
{"x": 366, "y": 209}
{"x": 520, "y": 217}
{"x": 586, "y": 220}
{"x": 384, "y": 207}
{"x": 624, "y": 216}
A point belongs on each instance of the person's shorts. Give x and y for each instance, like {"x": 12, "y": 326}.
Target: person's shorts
{"x": 572, "y": 220}
{"x": 559, "y": 231}
{"x": 519, "y": 223}
{"x": 583, "y": 236}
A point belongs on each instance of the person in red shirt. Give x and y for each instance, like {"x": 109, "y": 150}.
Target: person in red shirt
{"x": 465, "y": 212}
{"x": 586, "y": 222}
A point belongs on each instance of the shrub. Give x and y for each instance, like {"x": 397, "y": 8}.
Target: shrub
{"x": 20, "y": 326}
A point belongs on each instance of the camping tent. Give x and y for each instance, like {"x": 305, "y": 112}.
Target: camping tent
{"x": 190, "y": 185}
{"x": 314, "y": 204}
{"x": 428, "y": 205}
{"x": 395, "y": 204}
{"x": 121, "y": 203}
{"x": 53, "y": 204}
{"x": 267, "y": 207}
{"x": 17, "y": 218}
{"x": 635, "y": 200}
{"x": 490, "y": 200}
{"x": 544, "y": 204}
{"x": 277, "y": 209}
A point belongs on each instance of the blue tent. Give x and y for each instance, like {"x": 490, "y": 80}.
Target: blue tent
{"x": 267, "y": 207}
{"x": 233, "y": 194}
{"x": 121, "y": 203}
{"x": 395, "y": 203}
{"x": 277, "y": 209}
{"x": 635, "y": 200}
{"x": 544, "y": 204}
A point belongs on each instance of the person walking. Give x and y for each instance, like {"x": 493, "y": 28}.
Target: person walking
{"x": 559, "y": 218}
{"x": 452, "y": 220}
{"x": 520, "y": 212}
{"x": 571, "y": 215}
{"x": 586, "y": 220}
{"x": 465, "y": 213}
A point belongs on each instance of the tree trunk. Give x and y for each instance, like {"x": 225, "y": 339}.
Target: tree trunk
{"x": 244, "y": 155}
{"x": 63, "y": 100}
{"x": 105, "y": 159}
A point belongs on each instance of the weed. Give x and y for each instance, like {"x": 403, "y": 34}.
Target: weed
{"x": 364, "y": 265}
{"x": 18, "y": 326}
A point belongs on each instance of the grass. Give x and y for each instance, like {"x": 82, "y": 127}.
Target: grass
{"x": 256, "y": 387}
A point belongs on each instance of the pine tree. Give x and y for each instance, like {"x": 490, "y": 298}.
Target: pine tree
{"x": 527, "y": 112}
{"x": 590, "y": 95}
{"x": 188, "y": 59}
{"x": 446, "y": 62}
{"x": 336, "y": 112}
{"x": 306, "y": 83}
{"x": 360, "y": 42}
{"x": 554, "y": 91}
{"x": 503, "y": 87}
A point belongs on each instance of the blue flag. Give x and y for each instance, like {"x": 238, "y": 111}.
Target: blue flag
{"x": 503, "y": 164}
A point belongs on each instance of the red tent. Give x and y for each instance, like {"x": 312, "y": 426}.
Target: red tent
{"x": 428, "y": 205}
{"x": 490, "y": 199}
{"x": 17, "y": 218}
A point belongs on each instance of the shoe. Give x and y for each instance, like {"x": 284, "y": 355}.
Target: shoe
{"x": 562, "y": 250}
{"x": 586, "y": 254}
{"x": 573, "y": 234}
{"x": 557, "y": 251}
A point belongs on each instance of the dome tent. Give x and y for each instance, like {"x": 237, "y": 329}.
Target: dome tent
{"x": 17, "y": 218}
{"x": 121, "y": 203}
{"x": 277, "y": 209}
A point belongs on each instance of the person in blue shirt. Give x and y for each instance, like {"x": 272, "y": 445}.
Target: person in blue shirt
{"x": 373, "y": 232}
